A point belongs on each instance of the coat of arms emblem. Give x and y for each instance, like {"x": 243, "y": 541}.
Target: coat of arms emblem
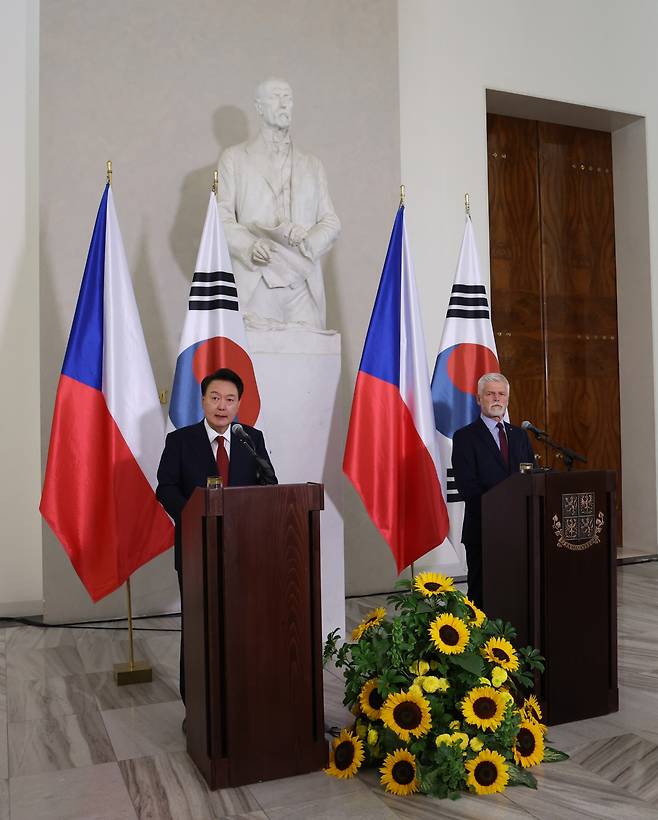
{"x": 580, "y": 526}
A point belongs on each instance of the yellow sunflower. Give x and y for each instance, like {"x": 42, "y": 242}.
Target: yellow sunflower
{"x": 399, "y": 773}
{"x": 372, "y": 619}
{"x": 433, "y": 583}
{"x": 487, "y": 772}
{"x": 484, "y": 707}
{"x": 529, "y": 745}
{"x": 501, "y": 651}
{"x": 407, "y": 714}
{"x": 346, "y": 755}
{"x": 370, "y": 700}
{"x": 531, "y": 710}
{"x": 449, "y": 634}
{"x": 477, "y": 615}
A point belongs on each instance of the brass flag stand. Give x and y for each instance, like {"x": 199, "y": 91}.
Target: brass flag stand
{"x": 133, "y": 671}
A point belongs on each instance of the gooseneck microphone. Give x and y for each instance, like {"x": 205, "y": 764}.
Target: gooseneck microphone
{"x": 239, "y": 431}
{"x": 266, "y": 471}
{"x": 529, "y": 426}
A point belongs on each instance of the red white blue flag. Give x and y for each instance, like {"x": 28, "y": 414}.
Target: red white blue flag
{"x": 466, "y": 352}
{"x": 213, "y": 334}
{"x": 391, "y": 452}
{"x": 108, "y": 428}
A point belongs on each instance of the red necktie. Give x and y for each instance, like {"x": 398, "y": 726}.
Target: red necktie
{"x": 502, "y": 438}
{"x": 222, "y": 460}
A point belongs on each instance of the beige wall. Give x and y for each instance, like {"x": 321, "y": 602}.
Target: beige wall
{"x": 20, "y": 473}
{"x": 161, "y": 87}
{"x": 590, "y": 53}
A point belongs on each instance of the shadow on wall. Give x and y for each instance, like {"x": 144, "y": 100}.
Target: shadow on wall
{"x": 230, "y": 126}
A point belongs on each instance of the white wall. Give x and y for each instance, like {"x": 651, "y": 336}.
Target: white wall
{"x": 20, "y": 454}
{"x": 591, "y": 53}
{"x": 164, "y": 120}
{"x": 161, "y": 87}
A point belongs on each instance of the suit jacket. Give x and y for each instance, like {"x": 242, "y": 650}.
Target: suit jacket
{"x": 478, "y": 466}
{"x": 187, "y": 461}
{"x": 248, "y": 196}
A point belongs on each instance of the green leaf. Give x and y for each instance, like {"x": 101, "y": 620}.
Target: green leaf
{"x": 470, "y": 662}
{"x": 521, "y": 777}
{"x": 554, "y": 755}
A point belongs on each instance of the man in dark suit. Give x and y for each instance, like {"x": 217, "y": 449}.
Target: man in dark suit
{"x": 198, "y": 452}
{"x": 485, "y": 453}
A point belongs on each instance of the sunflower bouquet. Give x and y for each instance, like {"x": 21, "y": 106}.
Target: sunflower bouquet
{"x": 441, "y": 696}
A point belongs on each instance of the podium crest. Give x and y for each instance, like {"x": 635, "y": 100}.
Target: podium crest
{"x": 580, "y": 526}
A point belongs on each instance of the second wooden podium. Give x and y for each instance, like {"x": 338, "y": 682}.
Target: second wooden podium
{"x": 549, "y": 568}
{"x": 252, "y": 631}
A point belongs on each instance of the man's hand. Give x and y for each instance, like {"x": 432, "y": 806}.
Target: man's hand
{"x": 296, "y": 235}
{"x": 261, "y": 252}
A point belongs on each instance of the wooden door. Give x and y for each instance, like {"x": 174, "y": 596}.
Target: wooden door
{"x": 553, "y": 284}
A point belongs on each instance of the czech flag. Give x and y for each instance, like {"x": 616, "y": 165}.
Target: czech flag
{"x": 391, "y": 450}
{"x": 108, "y": 428}
{"x": 213, "y": 334}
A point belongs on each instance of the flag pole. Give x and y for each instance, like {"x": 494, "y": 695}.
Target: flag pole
{"x": 215, "y": 182}
{"x": 133, "y": 671}
{"x": 402, "y": 196}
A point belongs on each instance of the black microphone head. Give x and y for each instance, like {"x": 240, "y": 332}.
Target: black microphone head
{"x": 238, "y": 429}
{"x": 526, "y": 425}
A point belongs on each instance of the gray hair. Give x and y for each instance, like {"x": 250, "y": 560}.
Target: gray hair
{"x": 491, "y": 377}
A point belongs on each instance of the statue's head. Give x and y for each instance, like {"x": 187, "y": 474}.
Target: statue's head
{"x": 274, "y": 102}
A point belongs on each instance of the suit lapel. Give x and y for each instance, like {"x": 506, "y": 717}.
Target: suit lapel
{"x": 257, "y": 151}
{"x": 514, "y": 455}
{"x": 204, "y": 449}
{"x": 237, "y": 463}
{"x": 486, "y": 436}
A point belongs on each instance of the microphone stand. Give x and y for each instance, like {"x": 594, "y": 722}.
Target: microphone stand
{"x": 568, "y": 455}
{"x": 265, "y": 472}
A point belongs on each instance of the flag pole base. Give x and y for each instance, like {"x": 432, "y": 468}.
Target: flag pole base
{"x": 137, "y": 672}
{"x": 133, "y": 671}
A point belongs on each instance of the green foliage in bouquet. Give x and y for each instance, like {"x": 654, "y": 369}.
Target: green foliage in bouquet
{"x": 440, "y": 696}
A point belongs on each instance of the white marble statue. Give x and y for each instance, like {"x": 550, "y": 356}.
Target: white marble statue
{"x": 278, "y": 218}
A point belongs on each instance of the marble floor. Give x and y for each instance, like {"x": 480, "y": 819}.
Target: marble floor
{"x": 73, "y": 746}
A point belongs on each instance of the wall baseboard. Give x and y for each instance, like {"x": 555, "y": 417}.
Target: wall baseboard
{"x": 21, "y": 609}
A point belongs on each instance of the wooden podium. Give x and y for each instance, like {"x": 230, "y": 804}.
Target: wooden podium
{"x": 549, "y": 567}
{"x": 252, "y": 630}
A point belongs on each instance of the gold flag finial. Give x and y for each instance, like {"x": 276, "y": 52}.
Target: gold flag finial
{"x": 109, "y": 172}
{"x": 401, "y": 195}
{"x": 215, "y": 182}
{"x": 467, "y": 205}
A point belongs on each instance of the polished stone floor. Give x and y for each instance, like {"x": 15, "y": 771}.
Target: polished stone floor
{"x": 75, "y": 747}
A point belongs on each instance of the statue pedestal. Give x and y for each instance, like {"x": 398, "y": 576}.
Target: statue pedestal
{"x": 298, "y": 374}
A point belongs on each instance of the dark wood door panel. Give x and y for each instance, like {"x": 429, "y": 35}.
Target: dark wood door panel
{"x": 515, "y": 252}
{"x": 579, "y": 279}
{"x": 553, "y": 283}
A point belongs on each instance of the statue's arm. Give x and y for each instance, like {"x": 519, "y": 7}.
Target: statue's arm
{"x": 321, "y": 236}
{"x": 239, "y": 238}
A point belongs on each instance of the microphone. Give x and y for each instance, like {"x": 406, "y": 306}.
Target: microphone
{"x": 265, "y": 471}
{"x": 526, "y": 425}
{"x": 239, "y": 431}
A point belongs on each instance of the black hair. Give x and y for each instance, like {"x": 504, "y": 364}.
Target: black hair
{"x": 225, "y": 375}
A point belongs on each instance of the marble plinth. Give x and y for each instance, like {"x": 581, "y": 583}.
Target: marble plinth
{"x": 298, "y": 374}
